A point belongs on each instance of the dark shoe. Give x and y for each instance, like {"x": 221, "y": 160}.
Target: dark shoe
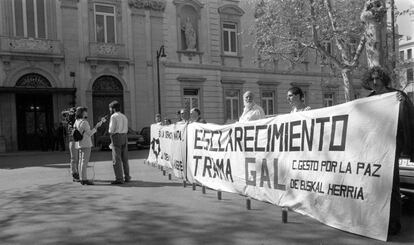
{"x": 117, "y": 182}
{"x": 86, "y": 182}
{"x": 128, "y": 179}
{"x": 75, "y": 177}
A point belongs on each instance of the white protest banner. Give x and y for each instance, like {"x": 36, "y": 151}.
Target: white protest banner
{"x": 333, "y": 164}
{"x": 168, "y": 147}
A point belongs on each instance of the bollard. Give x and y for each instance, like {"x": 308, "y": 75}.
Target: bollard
{"x": 219, "y": 195}
{"x": 248, "y": 204}
{"x": 284, "y": 215}
{"x": 184, "y": 184}
{"x": 194, "y": 186}
{"x": 169, "y": 176}
{"x": 163, "y": 172}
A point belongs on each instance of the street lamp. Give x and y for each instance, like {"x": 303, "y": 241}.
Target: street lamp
{"x": 160, "y": 54}
{"x": 72, "y": 75}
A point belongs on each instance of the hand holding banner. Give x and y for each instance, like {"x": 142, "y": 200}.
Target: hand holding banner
{"x": 333, "y": 164}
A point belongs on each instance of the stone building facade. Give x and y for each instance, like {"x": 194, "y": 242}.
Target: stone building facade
{"x": 406, "y": 66}
{"x": 406, "y": 59}
{"x": 214, "y": 74}
{"x": 58, "y": 53}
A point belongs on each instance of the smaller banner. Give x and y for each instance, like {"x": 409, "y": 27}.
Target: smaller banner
{"x": 168, "y": 147}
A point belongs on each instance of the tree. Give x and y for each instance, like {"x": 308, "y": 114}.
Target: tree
{"x": 287, "y": 29}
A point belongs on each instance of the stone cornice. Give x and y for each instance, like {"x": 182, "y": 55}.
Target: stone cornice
{"x": 268, "y": 83}
{"x": 300, "y": 84}
{"x": 191, "y": 78}
{"x": 157, "y": 5}
{"x": 231, "y": 80}
{"x": 244, "y": 69}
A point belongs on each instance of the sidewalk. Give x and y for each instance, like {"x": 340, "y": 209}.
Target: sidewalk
{"x": 41, "y": 205}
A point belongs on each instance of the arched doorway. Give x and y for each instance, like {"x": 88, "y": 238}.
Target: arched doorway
{"x": 34, "y": 107}
{"x": 105, "y": 89}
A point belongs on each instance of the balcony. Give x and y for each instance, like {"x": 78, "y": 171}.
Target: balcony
{"x": 30, "y": 47}
{"x": 109, "y": 51}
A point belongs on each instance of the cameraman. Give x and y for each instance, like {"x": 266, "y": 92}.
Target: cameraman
{"x": 74, "y": 153}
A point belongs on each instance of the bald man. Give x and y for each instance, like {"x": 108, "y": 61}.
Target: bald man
{"x": 251, "y": 111}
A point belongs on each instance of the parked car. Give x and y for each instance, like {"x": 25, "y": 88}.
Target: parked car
{"x": 146, "y": 133}
{"x": 135, "y": 140}
{"x": 407, "y": 177}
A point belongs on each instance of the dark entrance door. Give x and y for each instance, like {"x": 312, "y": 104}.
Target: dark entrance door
{"x": 105, "y": 90}
{"x": 34, "y": 120}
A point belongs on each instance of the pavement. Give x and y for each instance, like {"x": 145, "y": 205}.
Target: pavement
{"x": 40, "y": 204}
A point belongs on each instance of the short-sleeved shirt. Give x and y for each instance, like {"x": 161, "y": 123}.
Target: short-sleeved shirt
{"x": 250, "y": 114}
{"x": 307, "y": 108}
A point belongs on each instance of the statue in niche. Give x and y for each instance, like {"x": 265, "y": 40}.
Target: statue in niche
{"x": 190, "y": 35}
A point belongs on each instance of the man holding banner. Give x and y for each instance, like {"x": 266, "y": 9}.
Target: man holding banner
{"x": 313, "y": 162}
{"x": 251, "y": 111}
{"x": 377, "y": 80}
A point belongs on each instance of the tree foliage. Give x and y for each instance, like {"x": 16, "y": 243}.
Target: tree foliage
{"x": 285, "y": 28}
{"x": 288, "y": 29}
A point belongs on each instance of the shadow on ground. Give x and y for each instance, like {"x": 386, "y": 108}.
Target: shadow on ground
{"x": 57, "y": 159}
{"x": 137, "y": 183}
{"x": 72, "y": 214}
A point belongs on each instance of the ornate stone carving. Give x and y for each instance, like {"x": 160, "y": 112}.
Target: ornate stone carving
{"x": 33, "y": 80}
{"x": 31, "y": 44}
{"x": 107, "y": 83}
{"x": 158, "y": 5}
{"x": 107, "y": 49}
{"x": 190, "y": 35}
{"x": 6, "y": 63}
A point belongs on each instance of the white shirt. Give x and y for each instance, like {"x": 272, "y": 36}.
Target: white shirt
{"x": 118, "y": 124}
{"x": 307, "y": 108}
{"x": 250, "y": 114}
{"x": 84, "y": 128}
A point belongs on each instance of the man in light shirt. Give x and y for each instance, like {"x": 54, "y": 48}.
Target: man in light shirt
{"x": 251, "y": 111}
{"x": 118, "y": 129}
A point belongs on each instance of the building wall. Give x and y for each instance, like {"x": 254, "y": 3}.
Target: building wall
{"x": 74, "y": 59}
{"x": 208, "y": 70}
{"x": 406, "y": 67}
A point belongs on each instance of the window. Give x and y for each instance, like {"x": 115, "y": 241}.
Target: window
{"x": 230, "y": 38}
{"x": 402, "y": 55}
{"x": 105, "y": 23}
{"x": 409, "y": 54}
{"x": 328, "y": 47}
{"x": 232, "y": 100}
{"x": 328, "y": 99}
{"x": 191, "y": 99}
{"x": 29, "y": 18}
{"x": 410, "y": 74}
{"x": 268, "y": 102}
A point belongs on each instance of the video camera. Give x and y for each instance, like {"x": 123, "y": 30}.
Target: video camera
{"x": 68, "y": 115}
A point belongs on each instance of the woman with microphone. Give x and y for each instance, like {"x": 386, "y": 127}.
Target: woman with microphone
{"x": 85, "y": 144}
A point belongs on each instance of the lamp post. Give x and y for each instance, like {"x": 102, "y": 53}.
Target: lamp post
{"x": 72, "y": 75}
{"x": 160, "y": 54}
